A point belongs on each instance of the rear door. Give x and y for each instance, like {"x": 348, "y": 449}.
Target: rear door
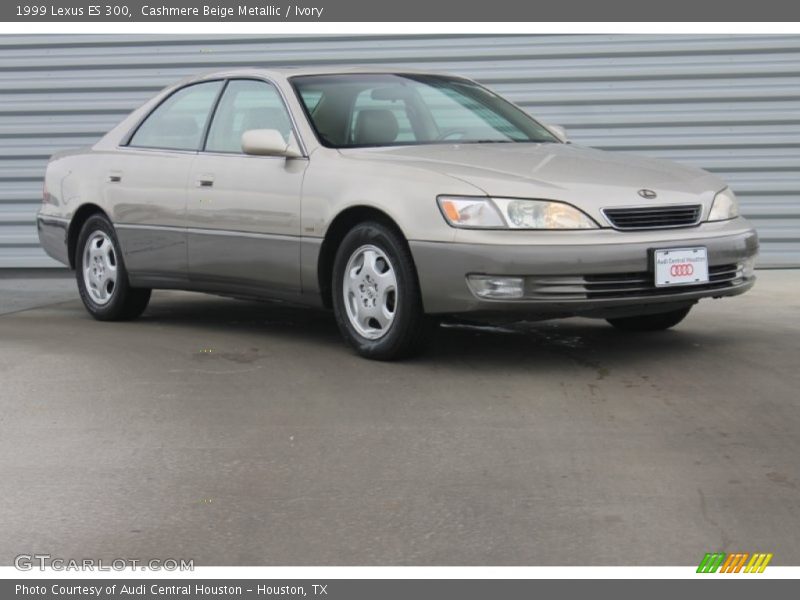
{"x": 146, "y": 183}
{"x": 243, "y": 212}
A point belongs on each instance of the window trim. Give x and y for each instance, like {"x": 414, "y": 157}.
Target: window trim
{"x": 126, "y": 141}
{"x": 211, "y": 114}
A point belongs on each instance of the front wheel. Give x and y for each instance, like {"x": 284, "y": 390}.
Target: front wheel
{"x": 376, "y": 297}
{"x": 102, "y": 278}
{"x": 657, "y": 322}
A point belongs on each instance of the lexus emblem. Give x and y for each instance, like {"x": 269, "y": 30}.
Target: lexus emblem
{"x": 647, "y": 194}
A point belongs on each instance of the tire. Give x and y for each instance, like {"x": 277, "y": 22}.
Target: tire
{"x": 101, "y": 274}
{"x": 376, "y": 296}
{"x": 656, "y": 322}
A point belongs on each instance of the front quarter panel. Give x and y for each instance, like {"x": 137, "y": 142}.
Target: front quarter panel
{"x": 407, "y": 195}
{"x": 335, "y": 182}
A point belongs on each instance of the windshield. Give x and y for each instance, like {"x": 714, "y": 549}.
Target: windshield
{"x": 359, "y": 110}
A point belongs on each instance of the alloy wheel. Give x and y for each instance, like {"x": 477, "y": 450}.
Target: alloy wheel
{"x": 370, "y": 292}
{"x": 100, "y": 267}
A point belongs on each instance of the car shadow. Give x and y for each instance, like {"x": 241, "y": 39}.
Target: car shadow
{"x": 588, "y": 343}
{"x": 245, "y": 317}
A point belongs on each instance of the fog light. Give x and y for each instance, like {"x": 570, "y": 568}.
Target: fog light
{"x": 496, "y": 287}
{"x": 749, "y": 266}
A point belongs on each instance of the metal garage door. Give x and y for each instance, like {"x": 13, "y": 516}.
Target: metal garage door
{"x": 730, "y": 104}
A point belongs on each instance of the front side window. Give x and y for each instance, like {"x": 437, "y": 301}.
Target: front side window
{"x": 178, "y": 122}
{"x": 246, "y": 104}
{"x": 357, "y": 110}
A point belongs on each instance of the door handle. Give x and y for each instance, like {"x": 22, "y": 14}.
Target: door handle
{"x": 114, "y": 177}
{"x": 205, "y": 181}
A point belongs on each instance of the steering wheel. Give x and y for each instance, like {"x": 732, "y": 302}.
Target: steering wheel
{"x": 450, "y": 133}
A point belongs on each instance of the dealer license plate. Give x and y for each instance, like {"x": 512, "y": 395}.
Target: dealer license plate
{"x": 681, "y": 266}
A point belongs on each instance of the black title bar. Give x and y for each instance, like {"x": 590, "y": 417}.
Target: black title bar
{"x": 91, "y": 11}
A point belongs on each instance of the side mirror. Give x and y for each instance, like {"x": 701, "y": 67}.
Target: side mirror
{"x": 559, "y": 132}
{"x": 267, "y": 142}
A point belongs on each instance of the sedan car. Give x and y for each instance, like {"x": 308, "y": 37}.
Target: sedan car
{"x": 395, "y": 199}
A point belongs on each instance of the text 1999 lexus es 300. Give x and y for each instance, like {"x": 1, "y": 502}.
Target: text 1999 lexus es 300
{"x": 394, "y": 198}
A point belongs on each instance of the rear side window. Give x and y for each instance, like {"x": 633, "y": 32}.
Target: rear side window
{"x": 246, "y": 104}
{"x": 179, "y": 121}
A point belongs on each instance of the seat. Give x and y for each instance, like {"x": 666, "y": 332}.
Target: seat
{"x": 375, "y": 127}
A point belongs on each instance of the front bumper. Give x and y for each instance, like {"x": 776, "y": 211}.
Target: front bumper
{"x": 593, "y": 273}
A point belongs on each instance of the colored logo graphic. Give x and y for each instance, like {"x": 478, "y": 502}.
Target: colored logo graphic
{"x": 734, "y": 563}
{"x": 681, "y": 269}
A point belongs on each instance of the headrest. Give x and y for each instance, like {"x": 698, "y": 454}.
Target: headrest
{"x": 375, "y": 126}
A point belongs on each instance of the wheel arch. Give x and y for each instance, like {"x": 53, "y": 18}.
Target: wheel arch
{"x": 337, "y": 230}
{"x": 76, "y": 224}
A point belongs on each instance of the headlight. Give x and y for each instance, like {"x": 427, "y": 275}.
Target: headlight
{"x": 541, "y": 214}
{"x": 471, "y": 213}
{"x": 724, "y": 207}
{"x": 510, "y": 213}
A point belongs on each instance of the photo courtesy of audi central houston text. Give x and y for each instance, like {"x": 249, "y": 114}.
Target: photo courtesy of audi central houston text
{"x": 397, "y": 199}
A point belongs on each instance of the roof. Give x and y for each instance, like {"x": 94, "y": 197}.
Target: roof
{"x": 286, "y": 72}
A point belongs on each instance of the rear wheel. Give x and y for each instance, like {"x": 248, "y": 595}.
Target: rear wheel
{"x": 102, "y": 278}
{"x": 656, "y": 322}
{"x": 376, "y": 297}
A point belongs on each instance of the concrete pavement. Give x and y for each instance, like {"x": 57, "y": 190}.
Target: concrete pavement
{"x": 238, "y": 433}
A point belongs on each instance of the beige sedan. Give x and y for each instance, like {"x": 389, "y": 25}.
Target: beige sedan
{"x": 395, "y": 199}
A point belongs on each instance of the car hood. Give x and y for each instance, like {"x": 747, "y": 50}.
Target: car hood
{"x": 588, "y": 178}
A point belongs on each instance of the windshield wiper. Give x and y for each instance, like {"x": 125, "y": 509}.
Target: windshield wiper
{"x": 486, "y": 142}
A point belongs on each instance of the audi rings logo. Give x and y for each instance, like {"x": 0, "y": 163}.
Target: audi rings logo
{"x": 681, "y": 270}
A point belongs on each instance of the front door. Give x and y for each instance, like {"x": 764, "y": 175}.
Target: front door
{"x": 243, "y": 212}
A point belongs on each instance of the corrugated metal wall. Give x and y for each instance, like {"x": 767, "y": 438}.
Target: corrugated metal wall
{"x": 730, "y": 104}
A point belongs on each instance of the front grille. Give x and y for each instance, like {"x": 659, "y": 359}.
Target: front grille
{"x": 653, "y": 217}
{"x": 613, "y": 286}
